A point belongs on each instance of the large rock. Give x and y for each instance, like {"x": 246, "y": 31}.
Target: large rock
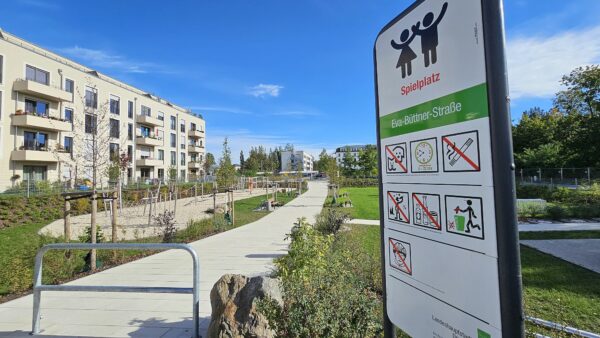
{"x": 234, "y": 300}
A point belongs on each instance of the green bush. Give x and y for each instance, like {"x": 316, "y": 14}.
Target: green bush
{"x": 586, "y": 211}
{"x": 556, "y": 212}
{"x": 356, "y": 182}
{"x": 330, "y": 220}
{"x": 534, "y": 191}
{"x": 322, "y": 296}
{"x": 533, "y": 210}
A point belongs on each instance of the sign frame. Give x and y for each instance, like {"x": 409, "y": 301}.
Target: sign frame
{"x": 504, "y": 190}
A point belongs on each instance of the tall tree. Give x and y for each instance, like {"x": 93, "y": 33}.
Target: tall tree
{"x": 348, "y": 164}
{"x": 367, "y": 161}
{"x": 582, "y": 93}
{"x": 242, "y": 159}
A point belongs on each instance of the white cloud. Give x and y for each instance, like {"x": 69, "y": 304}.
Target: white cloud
{"x": 106, "y": 60}
{"x": 263, "y": 90}
{"x": 536, "y": 64}
{"x": 243, "y": 139}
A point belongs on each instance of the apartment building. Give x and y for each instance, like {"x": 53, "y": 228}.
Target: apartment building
{"x": 57, "y": 117}
{"x": 354, "y": 151}
{"x": 296, "y": 161}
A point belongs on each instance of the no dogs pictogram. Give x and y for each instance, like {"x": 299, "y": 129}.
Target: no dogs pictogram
{"x": 461, "y": 152}
{"x": 426, "y": 210}
{"x": 397, "y": 159}
{"x": 400, "y": 255}
{"x": 398, "y": 206}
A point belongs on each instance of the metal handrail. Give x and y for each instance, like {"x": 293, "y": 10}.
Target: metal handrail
{"x": 38, "y": 287}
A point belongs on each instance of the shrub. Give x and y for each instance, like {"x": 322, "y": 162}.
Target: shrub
{"x": 534, "y": 191}
{"x": 322, "y": 296}
{"x": 586, "y": 211}
{"x": 330, "y": 220}
{"x": 87, "y": 235}
{"x": 166, "y": 224}
{"x": 556, "y": 212}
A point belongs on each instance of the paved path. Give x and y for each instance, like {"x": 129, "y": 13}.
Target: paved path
{"x": 133, "y": 221}
{"x": 522, "y": 226}
{"x": 583, "y": 252}
{"x": 247, "y": 250}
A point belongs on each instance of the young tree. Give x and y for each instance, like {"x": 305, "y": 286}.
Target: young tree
{"x": 348, "y": 164}
{"x": 242, "y": 160}
{"x": 226, "y": 171}
{"x": 367, "y": 161}
{"x": 209, "y": 162}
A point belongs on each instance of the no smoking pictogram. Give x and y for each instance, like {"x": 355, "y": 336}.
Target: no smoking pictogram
{"x": 461, "y": 152}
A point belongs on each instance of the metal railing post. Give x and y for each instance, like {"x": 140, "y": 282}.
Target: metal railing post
{"x": 38, "y": 287}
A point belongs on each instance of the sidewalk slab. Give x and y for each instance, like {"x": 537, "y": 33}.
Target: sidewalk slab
{"x": 582, "y": 252}
{"x": 247, "y": 250}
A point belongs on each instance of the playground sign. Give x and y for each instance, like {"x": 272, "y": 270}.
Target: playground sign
{"x": 449, "y": 235}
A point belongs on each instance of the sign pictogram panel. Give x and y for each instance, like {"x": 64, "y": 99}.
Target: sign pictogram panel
{"x": 464, "y": 216}
{"x": 424, "y": 158}
{"x": 397, "y": 206}
{"x": 426, "y": 210}
{"x": 396, "y": 159}
{"x": 400, "y": 255}
{"x": 461, "y": 152}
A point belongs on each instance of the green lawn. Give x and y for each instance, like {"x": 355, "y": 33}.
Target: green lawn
{"x": 559, "y": 234}
{"x": 365, "y": 202}
{"x": 19, "y": 244}
{"x": 553, "y": 289}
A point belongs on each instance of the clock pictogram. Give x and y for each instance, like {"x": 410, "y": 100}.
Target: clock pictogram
{"x": 424, "y": 152}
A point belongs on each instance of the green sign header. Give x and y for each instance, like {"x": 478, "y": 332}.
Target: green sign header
{"x": 465, "y": 105}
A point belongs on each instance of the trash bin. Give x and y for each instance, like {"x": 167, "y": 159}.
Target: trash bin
{"x": 460, "y": 222}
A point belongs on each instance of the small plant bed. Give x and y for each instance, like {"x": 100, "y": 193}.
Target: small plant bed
{"x": 19, "y": 245}
{"x": 364, "y": 201}
{"x": 562, "y": 205}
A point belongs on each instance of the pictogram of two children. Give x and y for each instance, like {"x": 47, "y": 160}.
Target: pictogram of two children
{"x": 429, "y": 42}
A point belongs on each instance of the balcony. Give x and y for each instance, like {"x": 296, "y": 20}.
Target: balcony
{"x": 30, "y": 120}
{"x": 149, "y": 141}
{"x": 148, "y": 162}
{"x": 194, "y": 148}
{"x": 194, "y": 165}
{"x": 35, "y": 154}
{"x": 149, "y": 120}
{"x": 196, "y": 133}
{"x": 42, "y": 90}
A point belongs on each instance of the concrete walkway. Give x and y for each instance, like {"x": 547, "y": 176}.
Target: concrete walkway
{"x": 133, "y": 221}
{"x": 247, "y": 250}
{"x": 582, "y": 252}
{"x": 543, "y": 226}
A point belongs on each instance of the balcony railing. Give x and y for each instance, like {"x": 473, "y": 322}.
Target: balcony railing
{"x": 40, "y": 121}
{"x": 43, "y": 90}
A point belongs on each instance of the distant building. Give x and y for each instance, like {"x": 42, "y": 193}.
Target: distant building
{"x": 354, "y": 151}
{"x": 296, "y": 161}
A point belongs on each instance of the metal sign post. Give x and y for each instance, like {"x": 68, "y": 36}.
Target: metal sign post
{"x": 447, "y": 193}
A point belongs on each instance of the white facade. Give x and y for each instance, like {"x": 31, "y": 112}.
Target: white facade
{"x": 354, "y": 152}
{"x": 50, "y": 107}
{"x": 296, "y": 161}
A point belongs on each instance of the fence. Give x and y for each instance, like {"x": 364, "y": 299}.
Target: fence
{"x": 570, "y": 177}
{"x": 38, "y": 287}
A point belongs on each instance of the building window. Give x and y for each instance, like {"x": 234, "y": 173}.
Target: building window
{"x": 182, "y": 158}
{"x": 115, "y": 105}
{"x": 130, "y": 152}
{"x": 35, "y": 141}
{"x": 145, "y": 131}
{"x": 161, "y": 174}
{"x": 69, "y": 86}
{"x": 113, "y": 149}
{"x": 192, "y": 126}
{"x": 182, "y": 125}
{"x": 37, "y": 75}
{"x": 68, "y": 144}
{"x": 173, "y": 158}
{"x": 182, "y": 143}
{"x": 130, "y": 131}
{"x": 182, "y": 175}
{"x": 173, "y": 122}
{"x": 146, "y": 111}
{"x": 173, "y": 141}
{"x": 130, "y": 109}
{"x": 114, "y": 128}
{"x": 161, "y": 116}
{"x": 34, "y": 173}
{"x": 36, "y": 107}
{"x": 91, "y": 97}
{"x": 69, "y": 115}
{"x": 161, "y": 154}
{"x": 91, "y": 123}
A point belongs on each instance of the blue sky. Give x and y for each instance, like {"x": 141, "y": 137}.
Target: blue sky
{"x": 273, "y": 72}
